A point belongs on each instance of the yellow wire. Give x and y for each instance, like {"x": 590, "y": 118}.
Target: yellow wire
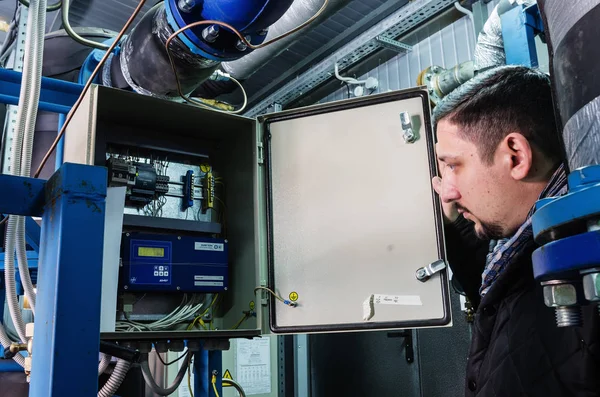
{"x": 271, "y": 291}
{"x": 191, "y": 326}
{"x": 214, "y": 383}
{"x": 237, "y": 325}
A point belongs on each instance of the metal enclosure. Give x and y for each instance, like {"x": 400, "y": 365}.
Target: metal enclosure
{"x": 353, "y": 216}
{"x": 329, "y": 202}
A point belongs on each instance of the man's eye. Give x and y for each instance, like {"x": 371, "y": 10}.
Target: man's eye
{"x": 450, "y": 166}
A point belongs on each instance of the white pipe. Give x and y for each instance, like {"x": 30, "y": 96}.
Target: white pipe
{"x": 467, "y": 12}
{"x": 27, "y": 86}
{"x": 348, "y": 80}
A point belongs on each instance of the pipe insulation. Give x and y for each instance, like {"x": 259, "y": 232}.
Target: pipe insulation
{"x": 5, "y": 341}
{"x": 489, "y": 50}
{"x": 27, "y": 108}
{"x": 298, "y": 13}
{"x": 144, "y": 62}
{"x": 572, "y": 32}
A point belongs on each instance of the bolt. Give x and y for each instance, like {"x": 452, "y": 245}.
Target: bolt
{"x": 241, "y": 46}
{"x": 263, "y": 32}
{"x": 127, "y": 234}
{"x": 591, "y": 286}
{"x": 211, "y": 33}
{"x": 409, "y": 136}
{"x": 569, "y": 316}
{"x": 125, "y": 287}
{"x": 178, "y": 288}
{"x": 562, "y": 296}
{"x": 225, "y": 288}
{"x": 421, "y": 274}
{"x": 178, "y": 237}
{"x": 186, "y": 5}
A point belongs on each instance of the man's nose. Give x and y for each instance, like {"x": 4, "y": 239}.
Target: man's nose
{"x": 449, "y": 192}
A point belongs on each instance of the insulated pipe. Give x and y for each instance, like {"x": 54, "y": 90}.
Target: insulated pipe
{"x": 299, "y": 12}
{"x": 104, "y": 363}
{"x": 572, "y": 32}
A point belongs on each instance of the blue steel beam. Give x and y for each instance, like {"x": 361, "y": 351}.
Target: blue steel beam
{"x": 69, "y": 287}
{"x": 21, "y": 196}
{"x": 56, "y": 95}
{"x": 519, "y": 28}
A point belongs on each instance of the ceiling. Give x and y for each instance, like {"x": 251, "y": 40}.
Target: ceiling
{"x": 311, "y": 47}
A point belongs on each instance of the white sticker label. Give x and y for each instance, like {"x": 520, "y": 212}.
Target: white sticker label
{"x": 202, "y": 246}
{"x": 213, "y": 278}
{"x": 407, "y": 300}
{"x": 208, "y": 284}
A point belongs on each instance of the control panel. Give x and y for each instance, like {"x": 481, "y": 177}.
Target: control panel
{"x": 154, "y": 262}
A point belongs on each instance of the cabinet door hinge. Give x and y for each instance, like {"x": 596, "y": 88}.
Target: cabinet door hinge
{"x": 260, "y": 154}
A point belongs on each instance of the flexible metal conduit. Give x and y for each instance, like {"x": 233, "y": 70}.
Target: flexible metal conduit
{"x": 27, "y": 107}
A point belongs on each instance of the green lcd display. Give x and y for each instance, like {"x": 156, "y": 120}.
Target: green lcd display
{"x": 153, "y": 252}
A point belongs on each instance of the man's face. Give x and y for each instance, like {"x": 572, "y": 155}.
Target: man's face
{"x": 479, "y": 190}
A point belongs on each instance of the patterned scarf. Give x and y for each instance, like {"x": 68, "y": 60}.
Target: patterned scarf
{"x": 504, "y": 250}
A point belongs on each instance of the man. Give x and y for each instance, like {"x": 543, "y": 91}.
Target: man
{"x": 499, "y": 152}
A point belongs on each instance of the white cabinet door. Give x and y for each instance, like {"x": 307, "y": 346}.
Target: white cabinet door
{"x": 353, "y": 216}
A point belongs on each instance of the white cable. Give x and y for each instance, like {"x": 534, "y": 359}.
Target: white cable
{"x": 27, "y": 87}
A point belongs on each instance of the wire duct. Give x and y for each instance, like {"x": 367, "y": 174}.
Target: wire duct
{"x": 152, "y": 383}
{"x": 114, "y": 382}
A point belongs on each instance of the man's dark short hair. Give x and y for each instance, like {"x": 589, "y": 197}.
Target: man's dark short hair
{"x": 499, "y": 101}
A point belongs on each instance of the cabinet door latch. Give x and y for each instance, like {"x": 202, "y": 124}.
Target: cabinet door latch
{"x": 423, "y": 274}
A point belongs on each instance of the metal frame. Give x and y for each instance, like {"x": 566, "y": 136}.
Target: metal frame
{"x": 398, "y": 23}
{"x": 73, "y": 197}
{"x": 520, "y": 25}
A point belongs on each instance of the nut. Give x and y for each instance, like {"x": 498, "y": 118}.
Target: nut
{"x": 560, "y": 295}
{"x": 591, "y": 286}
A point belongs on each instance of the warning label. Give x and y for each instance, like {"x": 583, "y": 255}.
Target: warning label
{"x": 227, "y": 375}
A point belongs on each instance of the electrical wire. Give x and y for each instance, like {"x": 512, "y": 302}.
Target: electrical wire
{"x": 276, "y": 296}
{"x": 87, "y": 87}
{"x": 236, "y": 385}
{"x": 147, "y": 374}
{"x": 189, "y": 376}
{"x": 214, "y": 385}
{"x": 243, "y": 40}
{"x": 244, "y": 318}
{"x": 199, "y": 318}
{"x": 50, "y": 8}
{"x": 172, "y": 362}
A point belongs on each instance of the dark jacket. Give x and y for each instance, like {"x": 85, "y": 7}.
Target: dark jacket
{"x": 516, "y": 347}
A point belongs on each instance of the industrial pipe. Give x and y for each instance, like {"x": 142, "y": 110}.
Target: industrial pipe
{"x": 198, "y": 51}
{"x": 300, "y": 11}
{"x": 572, "y": 35}
{"x": 440, "y": 82}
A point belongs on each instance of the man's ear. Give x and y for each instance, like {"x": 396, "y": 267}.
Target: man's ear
{"x": 516, "y": 153}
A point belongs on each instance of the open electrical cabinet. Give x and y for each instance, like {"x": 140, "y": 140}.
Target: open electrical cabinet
{"x": 330, "y": 206}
